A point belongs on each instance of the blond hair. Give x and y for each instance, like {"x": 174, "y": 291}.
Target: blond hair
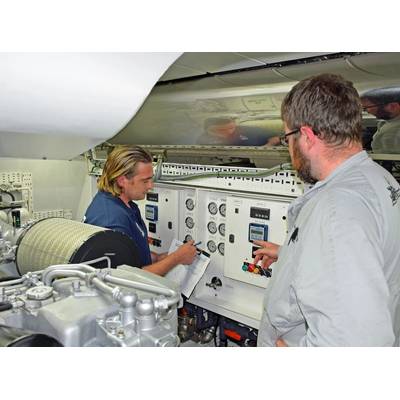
{"x": 121, "y": 161}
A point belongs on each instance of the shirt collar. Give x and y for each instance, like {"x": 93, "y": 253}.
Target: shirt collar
{"x": 298, "y": 203}
{"x": 356, "y": 159}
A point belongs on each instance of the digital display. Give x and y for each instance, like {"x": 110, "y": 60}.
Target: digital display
{"x": 258, "y": 232}
{"x": 151, "y": 212}
{"x": 260, "y": 213}
{"x": 150, "y": 196}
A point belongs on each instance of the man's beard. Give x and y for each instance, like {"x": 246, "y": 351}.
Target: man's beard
{"x": 302, "y": 165}
{"x": 381, "y": 113}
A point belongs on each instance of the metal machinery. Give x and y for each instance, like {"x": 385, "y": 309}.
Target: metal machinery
{"x": 89, "y": 307}
{"x": 73, "y": 303}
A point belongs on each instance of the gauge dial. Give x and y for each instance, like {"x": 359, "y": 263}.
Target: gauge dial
{"x": 212, "y": 227}
{"x": 222, "y": 209}
{"x": 221, "y": 248}
{"x": 221, "y": 229}
{"x": 211, "y": 246}
{"x": 189, "y": 204}
{"x": 188, "y": 237}
{"x": 189, "y": 222}
{"x": 213, "y": 208}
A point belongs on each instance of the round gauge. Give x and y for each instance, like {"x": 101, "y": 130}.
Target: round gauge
{"x": 189, "y": 204}
{"x": 188, "y": 237}
{"x": 221, "y": 248}
{"x": 222, "y": 209}
{"x": 221, "y": 229}
{"x": 189, "y": 222}
{"x": 213, "y": 208}
{"x": 211, "y": 246}
{"x": 212, "y": 227}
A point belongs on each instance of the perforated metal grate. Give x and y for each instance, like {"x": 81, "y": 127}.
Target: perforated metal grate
{"x": 281, "y": 183}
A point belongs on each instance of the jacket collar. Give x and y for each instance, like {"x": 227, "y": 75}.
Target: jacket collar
{"x": 298, "y": 203}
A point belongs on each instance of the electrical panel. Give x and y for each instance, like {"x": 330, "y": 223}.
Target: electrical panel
{"x": 225, "y": 215}
{"x": 249, "y": 220}
{"x": 160, "y": 212}
{"x": 225, "y": 223}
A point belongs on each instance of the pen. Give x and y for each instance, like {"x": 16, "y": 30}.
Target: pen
{"x": 196, "y": 244}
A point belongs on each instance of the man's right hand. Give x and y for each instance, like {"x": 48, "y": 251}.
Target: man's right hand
{"x": 268, "y": 253}
{"x": 186, "y": 253}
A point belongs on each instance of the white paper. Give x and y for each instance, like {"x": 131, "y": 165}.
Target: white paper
{"x": 187, "y": 276}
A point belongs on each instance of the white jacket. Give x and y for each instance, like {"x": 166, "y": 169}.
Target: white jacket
{"x": 337, "y": 279}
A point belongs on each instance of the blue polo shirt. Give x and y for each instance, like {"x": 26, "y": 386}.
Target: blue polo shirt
{"x": 111, "y": 212}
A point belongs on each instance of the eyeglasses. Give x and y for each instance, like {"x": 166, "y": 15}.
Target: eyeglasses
{"x": 365, "y": 108}
{"x": 284, "y": 140}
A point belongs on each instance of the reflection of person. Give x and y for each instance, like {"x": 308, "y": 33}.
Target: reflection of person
{"x": 127, "y": 176}
{"x": 336, "y": 279}
{"x": 225, "y": 131}
{"x": 384, "y": 104}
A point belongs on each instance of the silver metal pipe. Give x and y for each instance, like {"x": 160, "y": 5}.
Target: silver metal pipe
{"x": 70, "y": 267}
{"x": 13, "y": 288}
{"x": 62, "y": 273}
{"x": 104, "y": 258}
{"x": 113, "y": 291}
{"x": 13, "y": 282}
{"x": 173, "y": 296}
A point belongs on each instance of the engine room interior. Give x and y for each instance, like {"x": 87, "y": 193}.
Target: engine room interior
{"x": 64, "y": 282}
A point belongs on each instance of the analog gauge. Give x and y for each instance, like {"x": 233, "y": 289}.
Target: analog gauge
{"x": 189, "y": 222}
{"x": 221, "y": 248}
{"x": 213, "y": 208}
{"x": 221, "y": 229}
{"x": 212, "y": 227}
{"x": 222, "y": 209}
{"x": 211, "y": 246}
{"x": 188, "y": 237}
{"x": 189, "y": 204}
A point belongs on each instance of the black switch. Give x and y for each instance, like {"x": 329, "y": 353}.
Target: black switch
{"x": 231, "y": 238}
{"x": 254, "y": 248}
{"x": 169, "y": 225}
{"x": 152, "y": 227}
{"x": 236, "y": 211}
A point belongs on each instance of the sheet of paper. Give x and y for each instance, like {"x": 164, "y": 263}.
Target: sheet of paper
{"x": 187, "y": 276}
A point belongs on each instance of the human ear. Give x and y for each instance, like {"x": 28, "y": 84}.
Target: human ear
{"x": 309, "y": 134}
{"x": 121, "y": 180}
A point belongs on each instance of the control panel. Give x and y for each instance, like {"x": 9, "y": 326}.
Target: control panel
{"x": 160, "y": 212}
{"x": 226, "y": 223}
{"x": 249, "y": 220}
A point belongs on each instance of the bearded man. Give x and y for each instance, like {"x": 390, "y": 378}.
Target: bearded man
{"x": 336, "y": 279}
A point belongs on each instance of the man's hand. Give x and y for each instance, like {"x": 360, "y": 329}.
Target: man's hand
{"x": 280, "y": 343}
{"x": 268, "y": 253}
{"x": 186, "y": 253}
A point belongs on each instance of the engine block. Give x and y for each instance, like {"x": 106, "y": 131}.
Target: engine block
{"x": 78, "y": 305}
